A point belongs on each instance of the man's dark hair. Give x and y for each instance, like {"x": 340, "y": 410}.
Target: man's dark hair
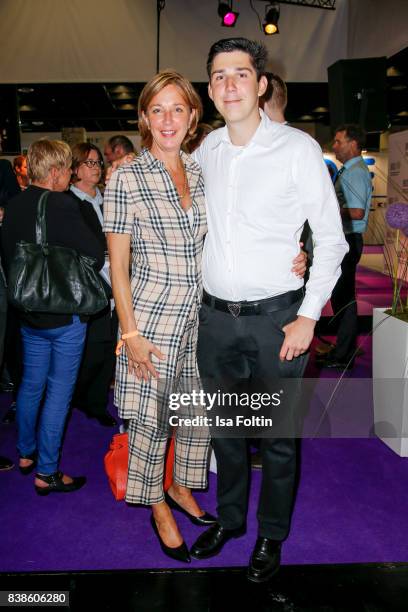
{"x": 256, "y": 51}
{"x": 123, "y": 141}
{"x": 353, "y": 132}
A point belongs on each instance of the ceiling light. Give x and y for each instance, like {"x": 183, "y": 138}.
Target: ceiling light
{"x": 126, "y": 106}
{"x": 402, "y": 114}
{"x": 320, "y": 109}
{"x": 272, "y": 13}
{"x": 131, "y": 121}
{"x": 393, "y": 71}
{"x": 37, "y": 123}
{"x": 228, "y": 16}
{"x": 123, "y": 96}
{"x": 306, "y": 118}
{"x": 25, "y": 108}
{"x": 25, "y": 90}
{"x": 120, "y": 89}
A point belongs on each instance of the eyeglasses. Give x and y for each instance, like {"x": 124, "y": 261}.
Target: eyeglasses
{"x": 91, "y": 163}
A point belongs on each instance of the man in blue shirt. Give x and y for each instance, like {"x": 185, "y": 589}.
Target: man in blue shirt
{"x": 353, "y": 189}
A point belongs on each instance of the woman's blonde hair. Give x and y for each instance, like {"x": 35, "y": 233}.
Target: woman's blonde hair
{"x": 45, "y": 154}
{"x": 153, "y": 87}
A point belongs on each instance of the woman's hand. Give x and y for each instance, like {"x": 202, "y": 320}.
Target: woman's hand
{"x": 299, "y": 263}
{"x": 139, "y": 351}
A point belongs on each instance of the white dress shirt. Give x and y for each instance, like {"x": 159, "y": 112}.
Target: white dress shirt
{"x": 258, "y": 197}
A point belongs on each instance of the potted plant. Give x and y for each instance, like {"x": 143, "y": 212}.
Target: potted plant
{"x": 390, "y": 342}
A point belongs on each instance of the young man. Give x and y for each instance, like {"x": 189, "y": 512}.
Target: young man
{"x": 262, "y": 181}
{"x": 354, "y": 191}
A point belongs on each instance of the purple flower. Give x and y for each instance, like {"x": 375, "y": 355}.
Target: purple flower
{"x": 397, "y": 216}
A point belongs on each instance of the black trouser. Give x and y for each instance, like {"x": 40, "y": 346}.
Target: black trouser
{"x": 247, "y": 348}
{"x": 13, "y": 350}
{"x": 98, "y": 362}
{"x": 344, "y": 302}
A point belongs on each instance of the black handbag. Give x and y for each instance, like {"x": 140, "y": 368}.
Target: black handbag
{"x": 53, "y": 279}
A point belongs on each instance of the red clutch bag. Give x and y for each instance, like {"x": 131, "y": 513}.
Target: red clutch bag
{"x": 116, "y": 465}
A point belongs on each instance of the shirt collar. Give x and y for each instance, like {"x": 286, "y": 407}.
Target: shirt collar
{"x": 98, "y": 199}
{"x": 352, "y": 161}
{"x": 262, "y": 136}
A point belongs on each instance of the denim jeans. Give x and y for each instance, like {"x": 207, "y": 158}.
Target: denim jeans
{"x": 51, "y": 359}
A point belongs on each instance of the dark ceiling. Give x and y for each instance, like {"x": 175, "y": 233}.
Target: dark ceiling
{"x": 112, "y": 106}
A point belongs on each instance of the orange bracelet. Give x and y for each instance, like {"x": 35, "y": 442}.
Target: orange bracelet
{"x": 124, "y": 337}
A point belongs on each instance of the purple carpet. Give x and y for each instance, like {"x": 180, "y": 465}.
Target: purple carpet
{"x": 350, "y": 508}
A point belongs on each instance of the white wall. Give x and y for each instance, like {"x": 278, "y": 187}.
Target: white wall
{"x": 377, "y": 27}
{"x": 115, "y": 40}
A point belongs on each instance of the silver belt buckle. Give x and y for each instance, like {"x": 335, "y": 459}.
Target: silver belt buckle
{"x": 234, "y": 309}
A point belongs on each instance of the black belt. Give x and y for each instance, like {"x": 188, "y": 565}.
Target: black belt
{"x": 258, "y": 307}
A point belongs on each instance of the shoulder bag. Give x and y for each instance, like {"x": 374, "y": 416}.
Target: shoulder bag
{"x": 53, "y": 279}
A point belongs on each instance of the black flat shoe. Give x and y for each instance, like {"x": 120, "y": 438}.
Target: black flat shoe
{"x": 212, "y": 541}
{"x": 180, "y": 553}
{"x": 28, "y": 468}
{"x": 205, "y": 520}
{"x": 5, "y": 464}
{"x": 57, "y": 485}
{"x": 265, "y": 560}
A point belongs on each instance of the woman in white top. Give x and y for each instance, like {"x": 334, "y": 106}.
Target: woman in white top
{"x": 96, "y": 372}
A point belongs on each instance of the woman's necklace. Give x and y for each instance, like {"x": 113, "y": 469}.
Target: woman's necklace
{"x": 184, "y": 190}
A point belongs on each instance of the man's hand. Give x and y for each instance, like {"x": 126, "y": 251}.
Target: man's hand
{"x": 298, "y": 336}
{"x": 299, "y": 263}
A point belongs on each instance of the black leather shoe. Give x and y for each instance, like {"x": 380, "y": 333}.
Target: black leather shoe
{"x": 204, "y": 520}
{"x": 211, "y": 542}
{"x": 57, "y": 485}
{"x": 5, "y": 464}
{"x": 265, "y": 560}
{"x": 29, "y": 468}
{"x": 334, "y": 363}
{"x": 6, "y": 387}
{"x": 106, "y": 420}
{"x": 180, "y": 553}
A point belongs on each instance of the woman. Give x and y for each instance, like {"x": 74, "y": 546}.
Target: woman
{"x": 98, "y": 360}
{"x": 52, "y": 343}
{"x": 156, "y": 203}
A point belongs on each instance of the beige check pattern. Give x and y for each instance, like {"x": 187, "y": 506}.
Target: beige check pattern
{"x": 141, "y": 200}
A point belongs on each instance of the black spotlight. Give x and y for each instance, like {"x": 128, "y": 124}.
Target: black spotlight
{"x": 270, "y": 25}
{"x": 228, "y": 16}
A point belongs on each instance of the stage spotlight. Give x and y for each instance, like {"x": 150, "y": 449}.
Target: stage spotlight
{"x": 270, "y": 25}
{"x": 228, "y": 16}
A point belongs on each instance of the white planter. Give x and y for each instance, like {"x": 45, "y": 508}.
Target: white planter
{"x": 390, "y": 384}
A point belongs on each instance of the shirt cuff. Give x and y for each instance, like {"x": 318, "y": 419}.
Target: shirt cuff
{"x": 311, "y": 307}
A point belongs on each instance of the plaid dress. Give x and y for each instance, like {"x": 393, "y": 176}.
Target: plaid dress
{"x": 142, "y": 200}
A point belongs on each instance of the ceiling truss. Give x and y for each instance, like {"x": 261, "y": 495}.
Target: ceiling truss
{"x": 322, "y": 4}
